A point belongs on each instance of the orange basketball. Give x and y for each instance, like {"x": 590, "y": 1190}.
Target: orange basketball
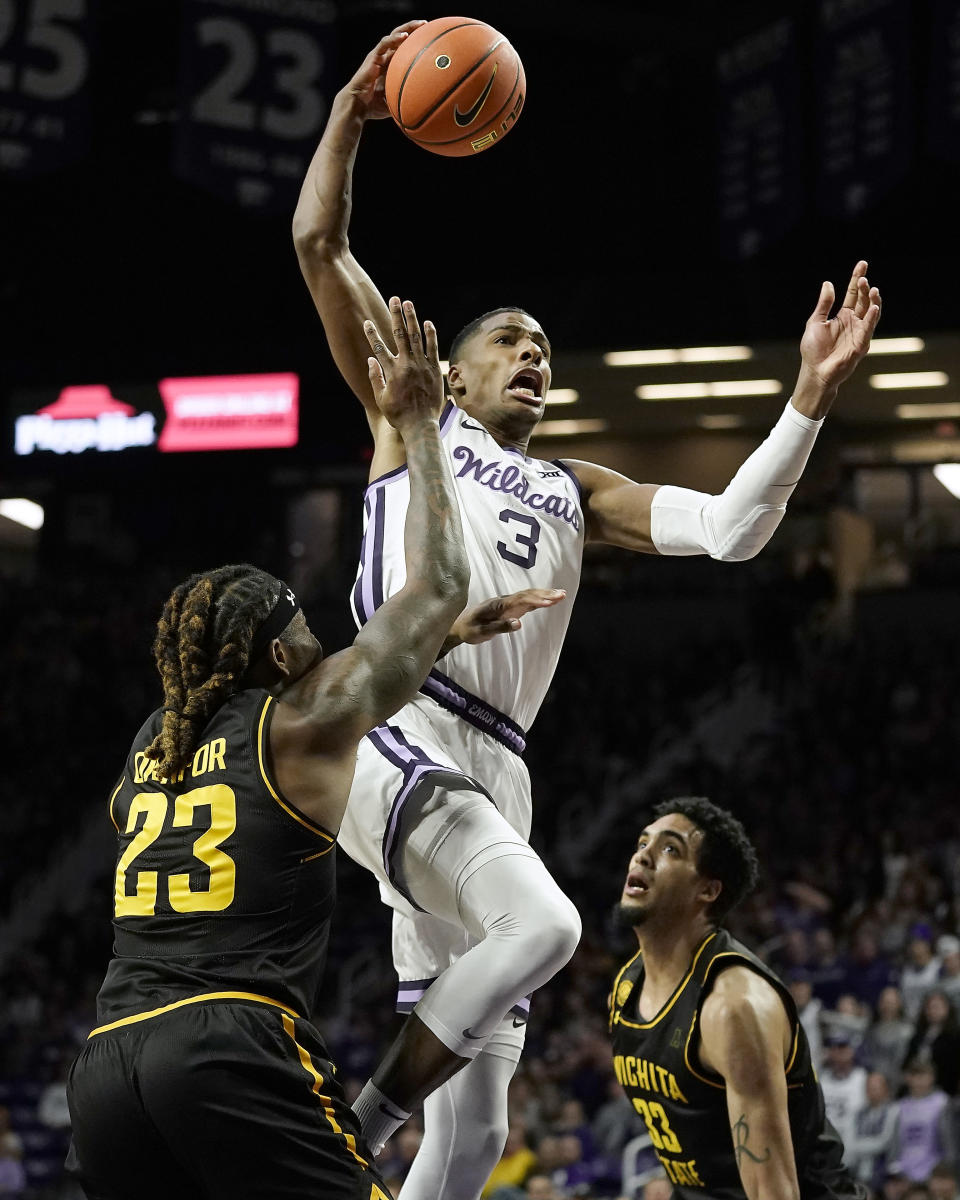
{"x": 455, "y": 86}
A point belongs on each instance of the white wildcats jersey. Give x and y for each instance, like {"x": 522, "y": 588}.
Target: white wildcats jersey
{"x": 522, "y": 527}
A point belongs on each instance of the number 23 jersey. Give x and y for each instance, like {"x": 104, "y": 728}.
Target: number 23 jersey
{"x": 523, "y": 527}
{"x": 221, "y": 886}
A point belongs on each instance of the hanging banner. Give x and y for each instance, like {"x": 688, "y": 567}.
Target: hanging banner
{"x": 45, "y": 53}
{"x": 864, "y": 85}
{"x": 943, "y": 81}
{"x": 255, "y": 87}
{"x": 760, "y": 184}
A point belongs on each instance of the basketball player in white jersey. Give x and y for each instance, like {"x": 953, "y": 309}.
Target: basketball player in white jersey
{"x": 440, "y": 807}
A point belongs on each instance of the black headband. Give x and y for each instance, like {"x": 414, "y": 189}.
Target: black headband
{"x": 275, "y": 622}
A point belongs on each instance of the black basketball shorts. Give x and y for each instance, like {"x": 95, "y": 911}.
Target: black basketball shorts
{"x": 215, "y": 1101}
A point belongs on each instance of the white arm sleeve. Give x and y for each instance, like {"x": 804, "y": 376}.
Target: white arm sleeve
{"x": 738, "y": 523}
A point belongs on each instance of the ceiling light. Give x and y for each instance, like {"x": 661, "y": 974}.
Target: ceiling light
{"x": 685, "y": 354}
{"x": 720, "y": 421}
{"x": 910, "y": 379}
{"x": 24, "y": 512}
{"x": 949, "y": 475}
{"x": 564, "y": 428}
{"x": 746, "y": 387}
{"x": 720, "y": 387}
{"x": 673, "y": 391}
{"x": 715, "y": 353}
{"x": 562, "y": 396}
{"x": 924, "y": 450}
{"x": 901, "y": 345}
{"x": 927, "y": 412}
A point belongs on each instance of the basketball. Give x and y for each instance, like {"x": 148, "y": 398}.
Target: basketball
{"x": 455, "y": 86}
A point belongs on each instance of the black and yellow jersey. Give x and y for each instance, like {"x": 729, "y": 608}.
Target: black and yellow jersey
{"x": 221, "y": 887}
{"x": 684, "y": 1105}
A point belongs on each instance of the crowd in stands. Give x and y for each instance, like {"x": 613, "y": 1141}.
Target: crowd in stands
{"x": 848, "y": 796}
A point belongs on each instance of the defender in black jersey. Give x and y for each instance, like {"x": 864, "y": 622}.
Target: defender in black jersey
{"x": 707, "y": 1043}
{"x": 204, "y": 1077}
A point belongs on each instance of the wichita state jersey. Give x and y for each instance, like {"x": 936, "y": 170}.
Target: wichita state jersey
{"x": 684, "y": 1105}
{"x": 523, "y": 527}
{"x": 221, "y": 886}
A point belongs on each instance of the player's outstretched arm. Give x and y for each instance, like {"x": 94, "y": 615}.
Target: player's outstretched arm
{"x": 738, "y": 523}
{"x": 746, "y": 1038}
{"x": 343, "y": 292}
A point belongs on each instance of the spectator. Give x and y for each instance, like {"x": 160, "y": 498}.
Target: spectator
{"x": 540, "y": 1187}
{"x": 868, "y": 972}
{"x": 874, "y": 1130}
{"x": 52, "y": 1109}
{"x": 895, "y": 1184}
{"x": 948, "y": 951}
{"x": 615, "y": 1122}
{"x": 919, "y": 975}
{"x": 943, "y": 1182}
{"x": 13, "y": 1178}
{"x": 11, "y": 1145}
{"x": 849, "y": 1016}
{"x": 573, "y": 1120}
{"x": 560, "y": 1157}
{"x": 516, "y": 1162}
{"x": 809, "y": 1009}
{"x": 827, "y": 971}
{"x": 844, "y": 1085}
{"x": 924, "y": 1134}
{"x": 885, "y": 1043}
{"x": 937, "y": 1040}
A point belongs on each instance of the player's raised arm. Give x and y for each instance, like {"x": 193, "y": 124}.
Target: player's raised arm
{"x": 738, "y": 523}
{"x": 343, "y": 292}
{"x": 746, "y": 1037}
{"x": 360, "y": 687}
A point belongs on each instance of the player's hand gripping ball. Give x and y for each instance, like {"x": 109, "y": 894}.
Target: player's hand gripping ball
{"x": 455, "y": 86}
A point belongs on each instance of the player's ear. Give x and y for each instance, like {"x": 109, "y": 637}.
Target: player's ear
{"x": 271, "y": 666}
{"x": 455, "y": 380}
{"x": 277, "y": 654}
{"x": 710, "y": 889}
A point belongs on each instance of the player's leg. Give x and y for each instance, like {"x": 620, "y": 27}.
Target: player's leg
{"x": 248, "y": 1094}
{"x": 465, "y": 1128}
{"x": 465, "y": 865}
{"x": 115, "y": 1150}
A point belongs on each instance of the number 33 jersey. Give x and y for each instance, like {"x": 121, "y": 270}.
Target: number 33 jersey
{"x": 684, "y": 1104}
{"x": 523, "y": 527}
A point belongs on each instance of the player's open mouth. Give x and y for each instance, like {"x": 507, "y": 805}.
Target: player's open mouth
{"x": 635, "y": 886}
{"x": 527, "y": 385}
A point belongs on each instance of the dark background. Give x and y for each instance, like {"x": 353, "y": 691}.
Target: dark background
{"x": 598, "y": 213}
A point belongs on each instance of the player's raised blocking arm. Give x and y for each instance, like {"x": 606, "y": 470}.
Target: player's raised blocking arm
{"x": 342, "y": 291}
{"x": 396, "y": 648}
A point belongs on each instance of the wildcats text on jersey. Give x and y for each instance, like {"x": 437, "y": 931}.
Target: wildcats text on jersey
{"x": 511, "y": 481}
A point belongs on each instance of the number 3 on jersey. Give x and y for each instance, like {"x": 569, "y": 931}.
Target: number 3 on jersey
{"x": 219, "y": 892}
{"x": 528, "y": 540}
